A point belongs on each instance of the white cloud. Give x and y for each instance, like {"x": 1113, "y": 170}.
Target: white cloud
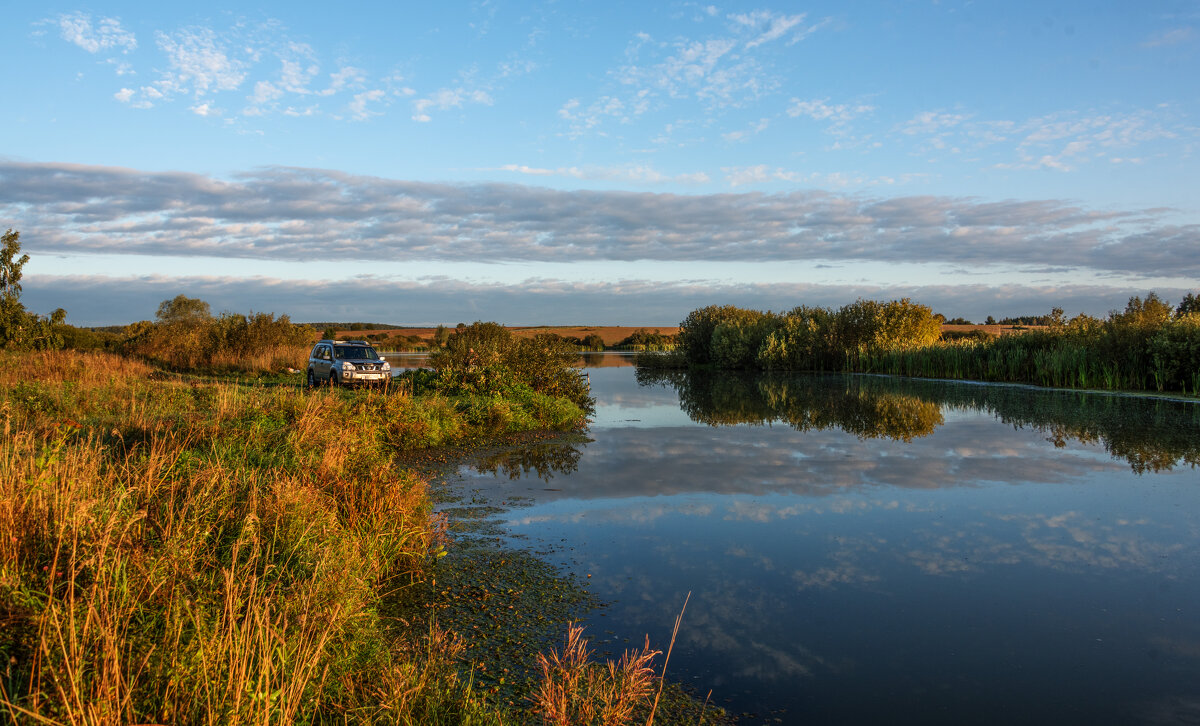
{"x": 1174, "y": 36}
{"x": 1063, "y": 141}
{"x": 358, "y": 107}
{"x": 639, "y": 174}
{"x": 200, "y": 63}
{"x": 821, "y": 110}
{"x": 446, "y": 99}
{"x": 205, "y": 109}
{"x": 124, "y": 95}
{"x": 770, "y": 26}
{"x": 105, "y": 34}
{"x": 728, "y": 69}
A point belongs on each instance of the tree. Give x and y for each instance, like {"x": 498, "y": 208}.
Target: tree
{"x": 1189, "y": 304}
{"x": 440, "y": 335}
{"x": 1149, "y": 313}
{"x": 990, "y": 321}
{"x": 183, "y": 309}
{"x": 18, "y": 328}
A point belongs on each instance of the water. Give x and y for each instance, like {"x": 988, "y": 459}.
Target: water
{"x": 875, "y": 550}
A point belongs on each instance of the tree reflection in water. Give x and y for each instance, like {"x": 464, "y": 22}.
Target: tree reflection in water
{"x": 545, "y": 459}
{"x": 1151, "y": 434}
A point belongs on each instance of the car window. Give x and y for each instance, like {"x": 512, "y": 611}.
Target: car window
{"x": 356, "y": 352}
{"x": 325, "y": 352}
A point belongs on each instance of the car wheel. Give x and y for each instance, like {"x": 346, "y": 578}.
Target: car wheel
{"x": 312, "y": 380}
{"x": 333, "y": 381}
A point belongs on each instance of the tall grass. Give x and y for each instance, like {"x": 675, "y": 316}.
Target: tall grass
{"x": 174, "y": 552}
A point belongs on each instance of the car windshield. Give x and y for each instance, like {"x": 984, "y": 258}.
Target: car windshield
{"x": 355, "y": 352}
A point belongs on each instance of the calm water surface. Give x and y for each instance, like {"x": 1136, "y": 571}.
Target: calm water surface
{"x": 876, "y": 550}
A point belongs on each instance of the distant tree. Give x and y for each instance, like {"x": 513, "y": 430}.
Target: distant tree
{"x": 593, "y": 342}
{"x": 990, "y": 321}
{"x": 1189, "y": 304}
{"x": 441, "y": 335}
{"x": 329, "y": 334}
{"x": 958, "y": 321}
{"x": 183, "y": 309}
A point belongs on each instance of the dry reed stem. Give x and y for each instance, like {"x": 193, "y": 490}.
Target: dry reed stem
{"x": 573, "y": 691}
{"x": 662, "y": 679}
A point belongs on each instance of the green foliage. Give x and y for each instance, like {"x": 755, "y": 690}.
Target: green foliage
{"x": 958, "y": 321}
{"x": 644, "y": 340}
{"x": 696, "y": 330}
{"x": 1143, "y": 347}
{"x": 592, "y": 341}
{"x": 486, "y": 359}
{"x": 187, "y": 337}
{"x": 19, "y": 328}
{"x": 804, "y": 338}
{"x": 1189, "y": 304}
{"x": 440, "y": 335}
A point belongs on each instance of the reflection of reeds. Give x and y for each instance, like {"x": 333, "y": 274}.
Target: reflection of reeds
{"x": 574, "y": 691}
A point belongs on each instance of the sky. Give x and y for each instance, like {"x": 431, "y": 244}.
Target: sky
{"x": 599, "y": 163}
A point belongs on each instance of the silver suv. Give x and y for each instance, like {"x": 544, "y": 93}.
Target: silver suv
{"x": 351, "y": 362}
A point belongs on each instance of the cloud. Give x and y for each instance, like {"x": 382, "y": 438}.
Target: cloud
{"x": 1061, "y": 141}
{"x": 640, "y": 174}
{"x": 821, "y": 111}
{"x": 107, "y": 300}
{"x": 1174, "y": 36}
{"x": 104, "y": 34}
{"x": 298, "y": 214}
{"x": 200, "y": 63}
{"x": 726, "y": 69}
{"x": 358, "y": 107}
{"x": 448, "y": 98}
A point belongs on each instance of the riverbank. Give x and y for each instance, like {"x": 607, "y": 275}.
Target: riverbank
{"x": 181, "y": 549}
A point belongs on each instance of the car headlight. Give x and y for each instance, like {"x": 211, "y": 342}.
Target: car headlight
{"x": 348, "y": 367}
{"x": 386, "y": 366}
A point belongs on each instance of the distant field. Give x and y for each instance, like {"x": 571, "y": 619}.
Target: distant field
{"x": 611, "y": 334}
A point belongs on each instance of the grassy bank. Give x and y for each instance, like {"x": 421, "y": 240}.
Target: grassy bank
{"x": 181, "y": 551}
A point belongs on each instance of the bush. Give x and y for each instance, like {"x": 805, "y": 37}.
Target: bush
{"x": 485, "y": 359}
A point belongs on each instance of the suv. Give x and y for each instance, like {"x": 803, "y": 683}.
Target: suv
{"x": 347, "y": 361}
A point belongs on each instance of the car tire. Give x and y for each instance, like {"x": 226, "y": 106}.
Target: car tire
{"x": 312, "y": 379}
{"x": 333, "y": 379}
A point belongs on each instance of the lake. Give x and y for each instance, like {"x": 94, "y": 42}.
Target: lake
{"x": 865, "y": 550}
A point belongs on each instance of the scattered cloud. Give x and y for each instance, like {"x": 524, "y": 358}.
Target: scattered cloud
{"x": 1174, "y": 36}
{"x": 726, "y": 69}
{"x": 634, "y": 173}
{"x": 1061, "y": 141}
{"x": 200, "y": 63}
{"x": 448, "y": 98}
{"x": 103, "y": 34}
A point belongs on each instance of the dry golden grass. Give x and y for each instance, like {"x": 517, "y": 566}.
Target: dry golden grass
{"x": 574, "y": 691}
{"x": 86, "y": 368}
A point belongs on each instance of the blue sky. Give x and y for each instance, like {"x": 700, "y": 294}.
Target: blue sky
{"x": 607, "y": 163}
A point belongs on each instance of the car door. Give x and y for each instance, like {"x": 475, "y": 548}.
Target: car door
{"x": 324, "y": 362}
